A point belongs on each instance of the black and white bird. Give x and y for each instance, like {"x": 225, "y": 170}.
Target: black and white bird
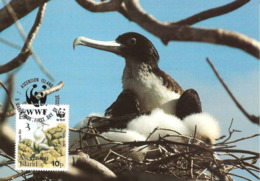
{"x": 147, "y": 88}
{"x": 145, "y": 85}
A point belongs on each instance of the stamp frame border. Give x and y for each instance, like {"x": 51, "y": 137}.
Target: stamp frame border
{"x": 43, "y": 169}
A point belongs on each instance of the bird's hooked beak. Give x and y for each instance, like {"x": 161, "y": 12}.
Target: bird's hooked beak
{"x": 110, "y": 46}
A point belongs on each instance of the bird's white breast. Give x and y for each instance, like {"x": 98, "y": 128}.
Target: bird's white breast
{"x": 149, "y": 88}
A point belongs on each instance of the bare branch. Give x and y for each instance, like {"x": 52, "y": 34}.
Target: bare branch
{"x": 175, "y": 31}
{"x": 35, "y": 28}
{"x": 32, "y": 34}
{"x": 167, "y": 32}
{"x": 21, "y": 8}
{"x": 9, "y": 43}
{"x": 252, "y": 118}
{"x": 244, "y": 138}
{"x": 8, "y": 113}
{"x": 7, "y": 136}
{"x": 212, "y": 12}
{"x": 26, "y": 50}
{"x": 91, "y": 166}
{"x": 49, "y": 91}
{"x": 8, "y": 94}
{"x": 16, "y": 62}
{"x": 105, "y": 6}
{"x": 7, "y": 100}
{"x": 14, "y": 176}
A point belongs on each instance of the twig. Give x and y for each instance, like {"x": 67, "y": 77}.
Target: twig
{"x": 106, "y": 6}
{"x": 252, "y": 118}
{"x": 239, "y": 176}
{"x": 230, "y": 134}
{"x": 167, "y": 32}
{"x": 2, "y": 153}
{"x": 8, "y": 94}
{"x": 132, "y": 10}
{"x": 14, "y": 176}
{"x": 7, "y": 100}
{"x": 21, "y": 8}
{"x": 6, "y": 163}
{"x": 27, "y": 49}
{"x": 95, "y": 135}
{"x": 244, "y": 138}
{"x": 91, "y": 166}
{"x": 9, "y": 43}
{"x": 49, "y": 91}
{"x": 238, "y": 151}
{"x": 8, "y": 113}
{"x": 211, "y": 13}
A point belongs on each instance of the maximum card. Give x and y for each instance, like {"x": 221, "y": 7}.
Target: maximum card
{"x": 42, "y": 137}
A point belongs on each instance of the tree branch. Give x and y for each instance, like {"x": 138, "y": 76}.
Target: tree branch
{"x": 212, "y": 13}
{"x": 132, "y": 10}
{"x": 105, "y": 6}
{"x": 49, "y": 91}
{"x": 167, "y": 32}
{"x": 21, "y": 8}
{"x": 8, "y": 94}
{"x": 26, "y": 50}
{"x": 252, "y": 118}
{"x": 7, "y": 99}
{"x": 7, "y": 136}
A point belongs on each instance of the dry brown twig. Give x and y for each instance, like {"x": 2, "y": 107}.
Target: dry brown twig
{"x": 176, "y": 159}
{"x": 11, "y": 44}
{"x": 9, "y": 92}
{"x": 200, "y": 157}
{"x": 25, "y": 52}
{"x": 7, "y": 136}
{"x": 21, "y": 9}
{"x": 49, "y": 91}
{"x": 254, "y": 119}
{"x": 179, "y": 30}
{"x": 27, "y": 49}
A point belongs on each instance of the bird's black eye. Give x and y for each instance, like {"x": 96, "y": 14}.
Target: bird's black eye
{"x": 208, "y": 141}
{"x": 131, "y": 41}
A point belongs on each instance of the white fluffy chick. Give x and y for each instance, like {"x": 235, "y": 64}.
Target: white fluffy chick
{"x": 117, "y": 136}
{"x": 124, "y": 136}
{"x": 207, "y": 128}
{"x": 146, "y": 124}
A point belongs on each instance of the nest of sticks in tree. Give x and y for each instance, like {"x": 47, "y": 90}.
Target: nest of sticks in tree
{"x": 149, "y": 160}
{"x": 193, "y": 160}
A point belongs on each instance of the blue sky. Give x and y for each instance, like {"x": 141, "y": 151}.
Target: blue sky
{"x": 93, "y": 78}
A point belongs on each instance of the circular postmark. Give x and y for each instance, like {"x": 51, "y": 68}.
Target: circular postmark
{"x": 32, "y": 100}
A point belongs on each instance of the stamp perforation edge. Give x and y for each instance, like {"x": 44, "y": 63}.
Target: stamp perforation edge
{"x": 66, "y": 154}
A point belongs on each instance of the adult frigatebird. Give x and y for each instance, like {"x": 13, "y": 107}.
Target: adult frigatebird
{"x": 145, "y": 85}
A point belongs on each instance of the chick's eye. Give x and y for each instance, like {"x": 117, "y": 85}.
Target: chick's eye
{"x": 131, "y": 41}
{"x": 208, "y": 141}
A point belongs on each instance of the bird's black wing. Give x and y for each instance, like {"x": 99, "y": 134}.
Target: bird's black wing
{"x": 168, "y": 81}
{"x": 188, "y": 103}
{"x": 126, "y": 103}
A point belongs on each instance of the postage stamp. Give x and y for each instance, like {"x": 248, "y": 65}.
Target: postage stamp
{"x": 42, "y": 137}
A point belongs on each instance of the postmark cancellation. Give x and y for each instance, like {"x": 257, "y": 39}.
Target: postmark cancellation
{"x": 42, "y": 137}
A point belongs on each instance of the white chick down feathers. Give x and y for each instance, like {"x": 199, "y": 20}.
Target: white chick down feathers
{"x": 140, "y": 128}
{"x": 124, "y": 136}
{"x": 146, "y": 124}
{"x": 206, "y": 127}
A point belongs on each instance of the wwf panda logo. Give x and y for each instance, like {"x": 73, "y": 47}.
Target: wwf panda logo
{"x": 32, "y": 99}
